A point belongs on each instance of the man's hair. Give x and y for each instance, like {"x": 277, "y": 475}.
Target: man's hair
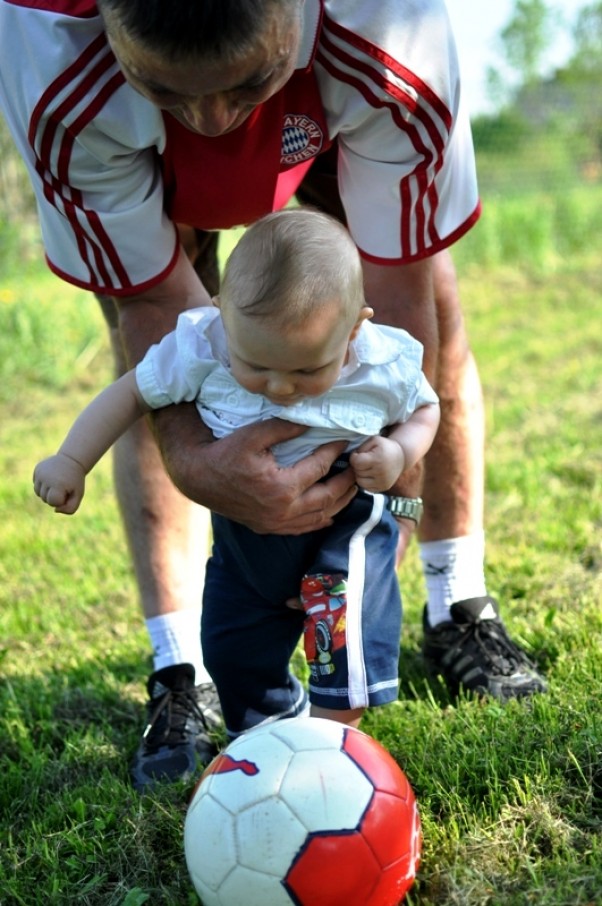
{"x": 183, "y": 28}
{"x": 289, "y": 263}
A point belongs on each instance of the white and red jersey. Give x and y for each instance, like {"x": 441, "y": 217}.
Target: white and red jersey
{"x": 112, "y": 173}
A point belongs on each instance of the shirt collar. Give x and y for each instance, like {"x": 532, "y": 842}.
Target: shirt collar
{"x": 312, "y": 13}
{"x": 216, "y": 335}
{"x": 373, "y": 345}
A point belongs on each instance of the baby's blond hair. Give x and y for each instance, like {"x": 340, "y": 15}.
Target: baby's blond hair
{"x": 288, "y": 264}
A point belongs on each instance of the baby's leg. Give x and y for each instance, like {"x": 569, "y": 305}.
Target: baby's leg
{"x": 352, "y": 606}
{"x": 350, "y": 717}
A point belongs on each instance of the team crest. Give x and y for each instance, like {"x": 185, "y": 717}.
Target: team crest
{"x": 302, "y": 138}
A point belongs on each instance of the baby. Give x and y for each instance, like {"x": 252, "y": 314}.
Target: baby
{"x": 289, "y": 337}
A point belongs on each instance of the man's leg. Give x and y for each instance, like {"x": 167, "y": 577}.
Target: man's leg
{"x": 464, "y": 638}
{"x": 454, "y": 466}
{"x": 168, "y": 540}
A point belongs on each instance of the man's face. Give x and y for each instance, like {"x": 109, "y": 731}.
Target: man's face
{"x": 213, "y": 97}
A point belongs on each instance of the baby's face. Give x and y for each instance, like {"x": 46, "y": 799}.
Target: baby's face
{"x": 287, "y": 365}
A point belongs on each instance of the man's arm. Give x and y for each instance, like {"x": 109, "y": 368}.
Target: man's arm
{"x": 403, "y": 295}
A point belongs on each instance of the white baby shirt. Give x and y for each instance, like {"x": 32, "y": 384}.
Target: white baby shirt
{"x": 381, "y": 384}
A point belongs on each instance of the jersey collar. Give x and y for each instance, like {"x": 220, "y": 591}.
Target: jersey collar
{"x": 313, "y": 10}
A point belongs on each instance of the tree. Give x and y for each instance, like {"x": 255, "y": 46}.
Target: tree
{"x": 588, "y": 41}
{"x": 524, "y": 41}
{"x": 526, "y": 38}
{"x": 582, "y": 77}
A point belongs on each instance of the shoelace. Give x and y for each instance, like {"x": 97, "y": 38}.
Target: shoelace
{"x": 176, "y": 707}
{"x": 495, "y": 645}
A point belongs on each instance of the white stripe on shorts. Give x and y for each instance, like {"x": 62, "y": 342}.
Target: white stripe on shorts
{"x": 358, "y": 685}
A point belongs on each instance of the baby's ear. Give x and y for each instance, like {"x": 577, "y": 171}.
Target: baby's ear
{"x": 365, "y": 314}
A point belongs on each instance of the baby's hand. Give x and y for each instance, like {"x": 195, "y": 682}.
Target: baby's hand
{"x": 377, "y": 463}
{"x": 60, "y": 482}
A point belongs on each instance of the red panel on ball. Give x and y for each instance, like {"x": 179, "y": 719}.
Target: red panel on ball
{"x": 321, "y": 873}
{"x": 377, "y": 764}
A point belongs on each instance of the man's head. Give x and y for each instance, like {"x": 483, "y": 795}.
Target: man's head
{"x": 292, "y": 300}
{"x": 209, "y": 63}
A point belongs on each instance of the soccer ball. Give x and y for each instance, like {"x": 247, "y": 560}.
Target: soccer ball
{"x": 304, "y": 811}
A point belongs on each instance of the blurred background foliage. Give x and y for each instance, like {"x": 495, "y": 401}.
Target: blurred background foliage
{"x": 545, "y": 127}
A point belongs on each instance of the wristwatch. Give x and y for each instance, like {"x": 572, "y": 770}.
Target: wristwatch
{"x": 406, "y": 508}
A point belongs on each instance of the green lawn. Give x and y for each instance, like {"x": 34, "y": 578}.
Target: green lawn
{"x": 510, "y": 797}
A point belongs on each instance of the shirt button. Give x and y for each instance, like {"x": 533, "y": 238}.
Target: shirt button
{"x": 358, "y": 421}
{"x": 232, "y": 398}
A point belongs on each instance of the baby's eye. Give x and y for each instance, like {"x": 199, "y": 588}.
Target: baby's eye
{"x": 307, "y": 371}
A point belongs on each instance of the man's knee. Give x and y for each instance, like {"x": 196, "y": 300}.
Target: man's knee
{"x": 458, "y": 383}
{"x": 110, "y": 313}
{"x": 453, "y": 338}
{"x": 109, "y": 310}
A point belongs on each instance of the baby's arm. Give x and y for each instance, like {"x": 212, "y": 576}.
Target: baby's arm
{"x": 60, "y": 479}
{"x": 379, "y": 461}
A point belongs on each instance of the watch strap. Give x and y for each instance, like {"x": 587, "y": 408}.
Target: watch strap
{"x": 406, "y": 508}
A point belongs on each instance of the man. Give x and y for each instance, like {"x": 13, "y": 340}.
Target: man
{"x": 208, "y": 115}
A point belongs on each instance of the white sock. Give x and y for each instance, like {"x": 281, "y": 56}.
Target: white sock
{"x": 453, "y": 571}
{"x": 176, "y": 639}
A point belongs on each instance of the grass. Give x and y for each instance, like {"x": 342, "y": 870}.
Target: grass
{"x": 510, "y": 797}
{"x": 537, "y": 229}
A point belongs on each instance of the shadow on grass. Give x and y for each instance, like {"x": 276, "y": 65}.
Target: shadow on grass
{"x": 85, "y": 715}
{"x": 418, "y": 682}
{"x": 75, "y": 830}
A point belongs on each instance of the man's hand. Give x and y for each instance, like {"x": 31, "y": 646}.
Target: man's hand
{"x": 238, "y": 476}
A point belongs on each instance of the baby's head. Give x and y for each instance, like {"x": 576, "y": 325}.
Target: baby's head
{"x": 288, "y": 265}
{"x": 292, "y": 299}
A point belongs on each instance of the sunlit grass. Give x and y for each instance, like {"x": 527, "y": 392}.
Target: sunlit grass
{"x": 510, "y": 797}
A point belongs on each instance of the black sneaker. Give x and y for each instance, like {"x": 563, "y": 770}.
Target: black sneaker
{"x": 177, "y": 737}
{"x": 473, "y": 651}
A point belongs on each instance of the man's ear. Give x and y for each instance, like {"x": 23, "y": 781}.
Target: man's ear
{"x": 365, "y": 314}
